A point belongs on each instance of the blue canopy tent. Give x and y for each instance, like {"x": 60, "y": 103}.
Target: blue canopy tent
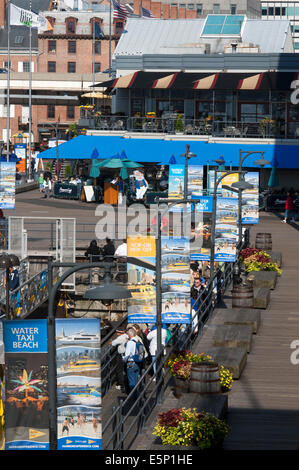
{"x": 159, "y": 150}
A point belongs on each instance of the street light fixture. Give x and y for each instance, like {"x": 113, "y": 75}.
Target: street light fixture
{"x": 111, "y": 291}
{"x": 187, "y": 156}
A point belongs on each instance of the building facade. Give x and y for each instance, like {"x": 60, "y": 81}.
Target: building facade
{"x": 276, "y": 10}
{"x": 199, "y": 9}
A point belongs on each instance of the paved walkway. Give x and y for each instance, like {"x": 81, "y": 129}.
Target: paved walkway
{"x": 263, "y": 405}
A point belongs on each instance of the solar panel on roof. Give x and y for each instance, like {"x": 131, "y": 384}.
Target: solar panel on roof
{"x": 223, "y": 25}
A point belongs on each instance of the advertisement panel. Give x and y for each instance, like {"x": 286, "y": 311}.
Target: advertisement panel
{"x": 141, "y": 268}
{"x": 175, "y": 280}
{"x": 195, "y": 180}
{"x": 26, "y": 385}
{"x": 7, "y": 185}
{"x": 250, "y": 199}
{"x": 226, "y": 231}
{"x": 79, "y": 398}
{"x": 201, "y": 229}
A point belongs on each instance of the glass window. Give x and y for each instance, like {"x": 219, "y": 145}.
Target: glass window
{"x": 52, "y": 67}
{"x": 271, "y": 11}
{"x": 71, "y": 67}
{"x": 199, "y": 10}
{"x": 71, "y": 27}
{"x": 71, "y": 47}
{"x": 216, "y": 8}
{"x": 26, "y": 67}
{"x": 264, "y": 12}
{"x": 70, "y": 112}
{"x": 51, "y": 111}
{"x": 191, "y": 6}
{"x": 51, "y": 45}
{"x": 97, "y": 47}
{"x": 97, "y": 67}
{"x": 233, "y": 9}
{"x": 182, "y": 5}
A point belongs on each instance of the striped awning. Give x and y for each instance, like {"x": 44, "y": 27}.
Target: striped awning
{"x": 126, "y": 81}
{"x": 165, "y": 82}
{"x": 206, "y": 83}
{"x": 251, "y": 83}
{"x": 203, "y": 81}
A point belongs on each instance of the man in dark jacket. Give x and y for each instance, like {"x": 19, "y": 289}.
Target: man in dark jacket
{"x": 108, "y": 251}
{"x": 93, "y": 251}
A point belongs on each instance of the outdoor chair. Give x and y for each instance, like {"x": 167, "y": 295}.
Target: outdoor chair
{"x": 118, "y": 125}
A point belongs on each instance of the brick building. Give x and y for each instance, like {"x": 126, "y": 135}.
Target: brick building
{"x": 199, "y": 9}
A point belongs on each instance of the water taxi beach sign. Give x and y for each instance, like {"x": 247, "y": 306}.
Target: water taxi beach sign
{"x": 25, "y": 336}
{"x": 26, "y": 385}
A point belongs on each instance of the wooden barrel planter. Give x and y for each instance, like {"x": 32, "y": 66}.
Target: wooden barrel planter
{"x": 205, "y": 378}
{"x": 263, "y": 241}
{"x": 242, "y": 296}
{"x": 181, "y": 386}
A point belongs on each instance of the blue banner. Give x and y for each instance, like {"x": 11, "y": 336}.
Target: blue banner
{"x": 79, "y": 397}
{"x": 26, "y": 385}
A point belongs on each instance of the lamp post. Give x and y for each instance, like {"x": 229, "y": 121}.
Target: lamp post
{"x": 6, "y": 262}
{"x": 213, "y": 228}
{"x": 55, "y": 126}
{"x": 106, "y": 292}
{"x": 242, "y": 184}
{"x": 187, "y": 156}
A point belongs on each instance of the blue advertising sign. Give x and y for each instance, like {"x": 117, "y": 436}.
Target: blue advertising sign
{"x": 25, "y": 336}
{"x": 7, "y": 185}
{"x": 26, "y": 385}
{"x": 176, "y": 306}
{"x": 79, "y": 397}
{"x": 250, "y": 199}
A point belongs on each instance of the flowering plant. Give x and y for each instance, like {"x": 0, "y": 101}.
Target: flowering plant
{"x": 258, "y": 260}
{"x": 179, "y": 363}
{"x": 188, "y": 427}
{"x": 226, "y": 379}
{"x": 151, "y": 114}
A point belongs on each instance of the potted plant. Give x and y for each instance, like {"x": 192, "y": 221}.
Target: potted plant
{"x": 179, "y": 365}
{"x": 267, "y": 126}
{"x": 186, "y": 427}
{"x": 179, "y": 125}
{"x": 258, "y": 260}
{"x": 68, "y": 172}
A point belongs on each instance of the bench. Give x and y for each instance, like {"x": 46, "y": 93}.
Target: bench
{"x": 233, "y": 359}
{"x": 233, "y": 336}
{"x": 263, "y": 279}
{"x": 240, "y": 316}
{"x": 261, "y": 297}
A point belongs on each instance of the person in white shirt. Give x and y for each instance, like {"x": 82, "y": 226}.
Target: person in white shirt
{"x": 120, "y": 342}
{"x": 47, "y": 187}
{"x": 132, "y": 367}
{"x": 121, "y": 251}
{"x": 153, "y": 345}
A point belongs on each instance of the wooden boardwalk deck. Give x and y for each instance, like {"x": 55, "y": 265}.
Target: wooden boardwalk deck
{"x": 263, "y": 406}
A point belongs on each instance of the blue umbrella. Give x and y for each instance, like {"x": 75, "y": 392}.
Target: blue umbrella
{"x": 172, "y": 160}
{"x": 95, "y": 154}
{"x": 273, "y": 179}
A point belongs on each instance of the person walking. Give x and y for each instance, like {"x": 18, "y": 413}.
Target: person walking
{"x": 120, "y": 342}
{"x": 47, "y": 187}
{"x": 132, "y": 367}
{"x": 289, "y": 209}
{"x": 41, "y": 182}
{"x": 153, "y": 343}
{"x": 141, "y": 337}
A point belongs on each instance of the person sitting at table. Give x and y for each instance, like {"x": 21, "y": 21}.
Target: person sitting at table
{"x": 108, "y": 251}
{"x": 77, "y": 180}
{"x": 72, "y": 180}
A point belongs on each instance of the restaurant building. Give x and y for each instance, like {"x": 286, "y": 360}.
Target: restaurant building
{"x": 225, "y": 74}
